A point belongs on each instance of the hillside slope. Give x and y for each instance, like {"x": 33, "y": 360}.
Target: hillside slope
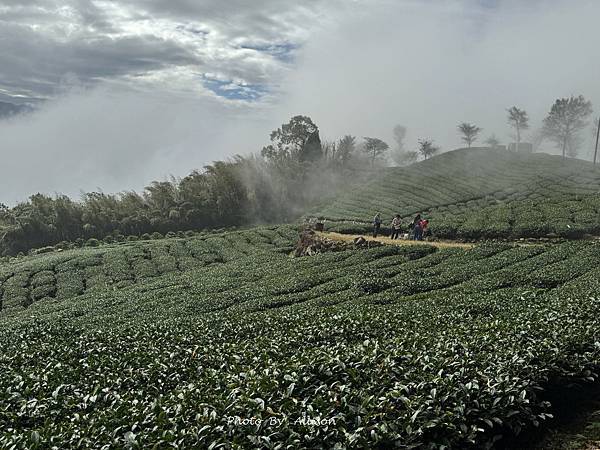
{"x": 164, "y": 343}
{"x": 480, "y": 193}
{"x": 60, "y": 275}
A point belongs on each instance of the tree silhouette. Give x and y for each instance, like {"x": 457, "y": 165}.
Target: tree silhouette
{"x": 469, "y": 132}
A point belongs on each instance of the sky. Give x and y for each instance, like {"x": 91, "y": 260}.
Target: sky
{"x": 132, "y": 91}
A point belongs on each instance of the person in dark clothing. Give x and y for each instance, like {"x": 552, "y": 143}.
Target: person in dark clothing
{"x": 396, "y": 225}
{"x": 418, "y": 232}
{"x": 376, "y": 224}
{"x": 416, "y": 229}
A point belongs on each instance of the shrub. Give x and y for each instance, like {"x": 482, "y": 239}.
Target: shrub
{"x": 43, "y": 250}
{"x": 92, "y": 242}
{"x": 369, "y": 281}
{"x": 64, "y": 245}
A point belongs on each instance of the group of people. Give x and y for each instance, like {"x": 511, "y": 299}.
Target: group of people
{"x": 417, "y": 228}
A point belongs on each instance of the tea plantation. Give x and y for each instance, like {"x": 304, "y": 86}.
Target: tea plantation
{"x": 224, "y": 341}
{"x": 480, "y": 194}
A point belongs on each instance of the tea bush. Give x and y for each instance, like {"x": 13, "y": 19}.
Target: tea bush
{"x": 478, "y": 195}
{"x": 155, "y": 344}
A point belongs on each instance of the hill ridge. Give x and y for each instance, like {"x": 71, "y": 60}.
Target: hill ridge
{"x": 485, "y": 186}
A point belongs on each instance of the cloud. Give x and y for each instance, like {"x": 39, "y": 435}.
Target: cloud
{"x": 116, "y": 140}
{"x": 166, "y": 87}
{"x": 249, "y": 44}
{"x": 431, "y": 65}
{"x": 41, "y": 65}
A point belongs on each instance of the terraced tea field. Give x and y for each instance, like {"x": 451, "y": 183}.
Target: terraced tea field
{"x": 480, "y": 194}
{"x": 66, "y": 274}
{"x": 224, "y": 341}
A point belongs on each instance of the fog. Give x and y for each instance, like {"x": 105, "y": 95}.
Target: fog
{"x": 365, "y": 67}
{"x": 111, "y": 140}
{"x": 430, "y": 67}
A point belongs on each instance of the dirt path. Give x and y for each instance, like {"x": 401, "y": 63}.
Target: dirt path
{"x": 386, "y": 240}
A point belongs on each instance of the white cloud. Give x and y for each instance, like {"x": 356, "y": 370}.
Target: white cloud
{"x": 117, "y": 140}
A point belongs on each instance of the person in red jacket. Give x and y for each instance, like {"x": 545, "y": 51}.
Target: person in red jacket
{"x": 423, "y": 225}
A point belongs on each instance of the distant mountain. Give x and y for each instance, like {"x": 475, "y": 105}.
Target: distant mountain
{"x": 10, "y": 109}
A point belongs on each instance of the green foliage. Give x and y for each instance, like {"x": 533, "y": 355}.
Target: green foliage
{"x": 62, "y": 275}
{"x": 519, "y": 120}
{"x": 398, "y": 346}
{"x": 567, "y": 117}
{"x": 427, "y": 148}
{"x": 95, "y": 243}
{"x": 371, "y": 281}
{"x": 375, "y": 148}
{"x": 224, "y": 194}
{"x": 469, "y": 133}
{"x": 479, "y": 194}
{"x": 296, "y": 140}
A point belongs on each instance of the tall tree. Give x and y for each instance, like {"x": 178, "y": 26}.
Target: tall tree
{"x": 298, "y": 139}
{"x": 574, "y": 143}
{"x": 518, "y": 119}
{"x": 427, "y": 149}
{"x": 567, "y": 117}
{"x": 375, "y": 148}
{"x": 345, "y": 149}
{"x": 469, "y": 132}
{"x": 312, "y": 150}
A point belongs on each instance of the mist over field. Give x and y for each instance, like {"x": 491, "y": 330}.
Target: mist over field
{"x": 162, "y": 92}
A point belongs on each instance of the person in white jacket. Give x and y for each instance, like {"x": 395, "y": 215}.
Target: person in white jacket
{"x": 396, "y": 226}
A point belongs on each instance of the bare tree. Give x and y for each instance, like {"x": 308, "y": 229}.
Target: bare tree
{"x": 375, "y": 148}
{"x": 492, "y": 141}
{"x": 567, "y": 117}
{"x": 469, "y": 132}
{"x": 427, "y": 148}
{"x": 518, "y": 119}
